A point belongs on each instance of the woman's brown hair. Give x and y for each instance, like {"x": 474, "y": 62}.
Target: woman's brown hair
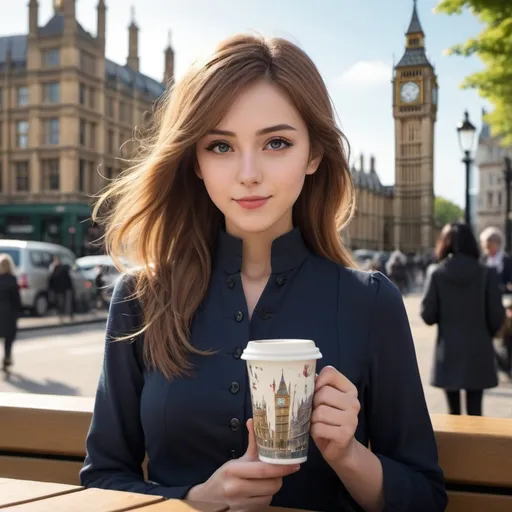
{"x": 160, "y": 215}
{"x": 456, "y": 238}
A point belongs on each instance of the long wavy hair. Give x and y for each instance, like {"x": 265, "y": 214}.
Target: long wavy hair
{"x": 160, "y": 217}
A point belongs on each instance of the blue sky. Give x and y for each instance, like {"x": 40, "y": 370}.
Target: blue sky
{"x": 352, "y": 43}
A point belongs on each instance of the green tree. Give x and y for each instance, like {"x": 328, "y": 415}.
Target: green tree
{"x": 494, "y": 48}
{"x": 445, "y": 211}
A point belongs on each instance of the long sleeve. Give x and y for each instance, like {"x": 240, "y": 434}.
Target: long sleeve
{"x": 494, "y": 310}
{"x": 16, "y": 298}
{"x": 115, "y": 445}
{"x": 400, "y": 430}
{"x": 430, "y": 302}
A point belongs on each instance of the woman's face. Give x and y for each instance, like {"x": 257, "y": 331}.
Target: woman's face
{"x": 255, "y": 161}
{"x": 490, "y": 247}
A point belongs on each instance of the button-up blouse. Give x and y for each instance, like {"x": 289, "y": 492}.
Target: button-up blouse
{"x": 191, "y": 426}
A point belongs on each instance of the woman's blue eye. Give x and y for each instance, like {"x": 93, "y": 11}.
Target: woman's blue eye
{"x": 277, "y": 144}
{"x": 219, "y": 147}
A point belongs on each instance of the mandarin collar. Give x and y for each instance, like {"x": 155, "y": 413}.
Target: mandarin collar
{"x": 288, "y": 252}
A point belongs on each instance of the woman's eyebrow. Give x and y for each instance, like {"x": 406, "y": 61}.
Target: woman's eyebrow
{"x": 263, "y": 131}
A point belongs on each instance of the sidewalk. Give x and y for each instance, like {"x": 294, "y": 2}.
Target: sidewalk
{"x": 51, "y": 321}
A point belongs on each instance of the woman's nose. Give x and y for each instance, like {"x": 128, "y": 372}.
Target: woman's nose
{"x": 249, "y": 171}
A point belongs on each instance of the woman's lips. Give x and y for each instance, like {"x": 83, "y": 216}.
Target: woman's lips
{"x": 253, "y": 202}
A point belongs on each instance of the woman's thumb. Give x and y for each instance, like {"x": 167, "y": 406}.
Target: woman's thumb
{"x": 252, "y": 449}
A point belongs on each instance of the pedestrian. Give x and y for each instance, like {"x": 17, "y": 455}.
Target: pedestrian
{"x": 61, "y": 287}
{"x": 231, "y": 219}
{"x": 10, "y": 307}
{"x": 462, "y": 297}
{"x": 491, "y": 240}
{"x": 99, "y": 281}
{"x": 396, "y": 268}
{"x": 505, "y": 359}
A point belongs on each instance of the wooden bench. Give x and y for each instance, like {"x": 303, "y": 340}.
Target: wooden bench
{"x": 476, "y": 456}
{"x": 42, "y": 438}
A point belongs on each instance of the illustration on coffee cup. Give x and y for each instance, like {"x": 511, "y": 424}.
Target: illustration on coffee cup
{"x": 282, "y": 398}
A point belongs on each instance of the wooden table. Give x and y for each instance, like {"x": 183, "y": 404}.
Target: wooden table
{"x": 31, "y": 496}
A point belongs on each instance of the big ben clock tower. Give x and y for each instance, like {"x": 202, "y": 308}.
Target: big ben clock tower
{"x": 415, "y": 93}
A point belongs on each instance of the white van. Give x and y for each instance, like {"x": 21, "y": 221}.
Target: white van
{"x": 32, "y": 261}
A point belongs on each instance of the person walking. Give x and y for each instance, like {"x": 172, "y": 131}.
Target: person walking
{"x": 396, "y": 268}
{"x": 10, "y": 307}
{"x": 462, "y": 296}
{"x": 491, "y": 240}
{"x": 61, "y": 286}
{"x": 494, "y": 256}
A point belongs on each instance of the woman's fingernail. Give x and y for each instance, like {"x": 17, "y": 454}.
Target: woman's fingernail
{"x": 296, "y": 468}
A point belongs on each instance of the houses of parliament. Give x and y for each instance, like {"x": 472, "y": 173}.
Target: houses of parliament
{"x": 292, "y": 417}
{"x": 402, "y": 216}
{"x": 66, "y": 112}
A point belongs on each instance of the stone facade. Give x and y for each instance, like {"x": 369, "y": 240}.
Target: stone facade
{"x": 372, "y": 226}
{"x": 402, "y": 216}
{"x": 490, "y": 162}
{"x": 65, "y": 112}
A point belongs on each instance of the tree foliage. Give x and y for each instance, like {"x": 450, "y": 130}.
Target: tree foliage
{"x": 494, "y": 48}
{"x": 445, "y": 211}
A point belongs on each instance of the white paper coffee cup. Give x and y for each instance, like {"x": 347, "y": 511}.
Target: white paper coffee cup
{"x": 282, "y": 379}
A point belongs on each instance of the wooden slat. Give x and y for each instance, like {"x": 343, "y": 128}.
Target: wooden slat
{"x": 33, "y": 423}
{"x": 184, "y": 506}
{"x": 192, "y": 506}
{"x": 89, "y": 500}
{"x": 44, "y": 470}
{"x": 14, "y": 492}
{"x": 471, "y": 502}
{"x": 475, "y": 450}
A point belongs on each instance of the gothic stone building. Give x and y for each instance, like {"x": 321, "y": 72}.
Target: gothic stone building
{"x": 372, "y": 226}
{"x": 402, "y": 216}
{"x": 491, "y": 198}
{"x": 65, "y": 111}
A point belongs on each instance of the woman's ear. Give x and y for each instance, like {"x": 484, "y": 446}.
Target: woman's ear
{"x": 314, "y": 163}
{"x": 197, "y": 170}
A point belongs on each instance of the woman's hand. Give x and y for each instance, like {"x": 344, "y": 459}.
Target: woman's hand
{"x": 245, "y": 483}
{"x": 334, "y": 419}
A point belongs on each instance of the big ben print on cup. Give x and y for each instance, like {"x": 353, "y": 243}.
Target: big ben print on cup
{"x": 282, "y": 379}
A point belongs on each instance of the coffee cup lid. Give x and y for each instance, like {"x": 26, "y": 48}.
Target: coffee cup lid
{"x": 281, "y": 350}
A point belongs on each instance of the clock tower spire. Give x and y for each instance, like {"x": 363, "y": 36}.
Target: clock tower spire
{"x": 414, "y": 110}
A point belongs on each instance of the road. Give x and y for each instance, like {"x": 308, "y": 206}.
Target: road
{"x": 67, "y": 361}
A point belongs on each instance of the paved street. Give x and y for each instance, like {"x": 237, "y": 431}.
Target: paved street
{"x": 67, "y": 361}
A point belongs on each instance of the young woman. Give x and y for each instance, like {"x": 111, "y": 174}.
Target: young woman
{"x": 463, "y": 298}
{"x": 233, "y": 214}
{"x": 10, "y": 306}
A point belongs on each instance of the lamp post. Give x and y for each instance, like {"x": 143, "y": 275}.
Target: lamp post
{"x": 507, "y": 171}
{"x": 466, "y": 132}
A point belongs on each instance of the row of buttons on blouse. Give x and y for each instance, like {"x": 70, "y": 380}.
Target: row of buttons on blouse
{"x": 234, "y": 423}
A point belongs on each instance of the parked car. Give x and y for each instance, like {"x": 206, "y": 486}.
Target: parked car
{"x": 90, "y": 265}
{"x": 32, "y": 261}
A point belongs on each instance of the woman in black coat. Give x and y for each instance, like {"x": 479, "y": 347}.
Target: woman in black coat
{"x": 463, "y": 298}
{"x": 10, "y": 305}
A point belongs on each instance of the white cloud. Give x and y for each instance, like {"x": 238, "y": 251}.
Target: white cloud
{"x": 366, "y": 73}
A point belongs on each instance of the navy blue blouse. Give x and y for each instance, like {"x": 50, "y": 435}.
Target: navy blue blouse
{"x": 190, "y": 426}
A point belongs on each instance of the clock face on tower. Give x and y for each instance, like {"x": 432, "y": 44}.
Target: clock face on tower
{"x": 409, "y": 92}
{"x": 281, "y": 402}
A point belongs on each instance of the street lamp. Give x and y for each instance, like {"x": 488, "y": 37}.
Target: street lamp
{"x": 507, "y": 172}
{"x": 466, "y": 132}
